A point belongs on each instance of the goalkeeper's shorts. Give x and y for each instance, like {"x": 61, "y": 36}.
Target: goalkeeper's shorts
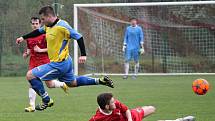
{"x": 63, "y": 71}
{"x": 132, "y": 54}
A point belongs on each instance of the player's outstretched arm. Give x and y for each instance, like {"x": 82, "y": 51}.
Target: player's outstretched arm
{"x": 34, "y": 33}
{"x": 19, "y": 40}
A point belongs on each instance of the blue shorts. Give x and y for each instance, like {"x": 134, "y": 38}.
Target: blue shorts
{"x": 63, "y": 71}
{"x": 132, "y": 54}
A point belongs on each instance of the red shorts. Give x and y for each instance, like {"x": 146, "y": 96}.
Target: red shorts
{"x": 137, "y": 114}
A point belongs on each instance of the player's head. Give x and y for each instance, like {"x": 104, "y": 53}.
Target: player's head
{"x": 106, "y": 101}
{"x": 47, "y": 15}
{"x": 35, "y": 23}
{"x": 133, "y": 21}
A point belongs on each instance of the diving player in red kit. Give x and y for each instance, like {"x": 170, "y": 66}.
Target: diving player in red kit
{"x": 111, "y": 109}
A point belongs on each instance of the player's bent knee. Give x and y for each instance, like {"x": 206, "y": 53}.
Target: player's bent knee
{"x": 29, "y": 75}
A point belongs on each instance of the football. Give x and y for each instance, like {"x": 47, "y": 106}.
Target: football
{"x": 200, "y": 86}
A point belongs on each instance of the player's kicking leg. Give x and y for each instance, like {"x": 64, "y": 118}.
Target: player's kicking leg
{"x": 86, "y": 81}
{"x": 73, "y": 81}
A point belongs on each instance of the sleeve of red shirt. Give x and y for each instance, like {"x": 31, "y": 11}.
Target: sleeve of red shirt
{"x": 123, "y": 108}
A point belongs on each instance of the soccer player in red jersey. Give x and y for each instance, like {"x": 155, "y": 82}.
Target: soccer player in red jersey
{"x": 111, "y": 109}
{"x": 37, "y": 50}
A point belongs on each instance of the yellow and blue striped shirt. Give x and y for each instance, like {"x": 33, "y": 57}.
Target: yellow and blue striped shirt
{"x": 58, "y": 37}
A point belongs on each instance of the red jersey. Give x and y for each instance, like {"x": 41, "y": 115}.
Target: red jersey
{"x": 118, "y": 114}
{"x": 37, "y": 59}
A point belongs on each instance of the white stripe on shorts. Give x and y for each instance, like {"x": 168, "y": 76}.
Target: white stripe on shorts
{"x": 48, "y": 73}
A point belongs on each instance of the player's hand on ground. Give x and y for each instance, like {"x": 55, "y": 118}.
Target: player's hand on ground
{"x": 19, "y": 40}
{"x": 82, "y": 59}
{"x": 37, "y": 49}
{"x": 123, "y": 48}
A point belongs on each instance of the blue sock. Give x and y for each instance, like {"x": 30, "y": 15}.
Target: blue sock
{"x": 84, "y": 80}
{"x": 37, "y": 85}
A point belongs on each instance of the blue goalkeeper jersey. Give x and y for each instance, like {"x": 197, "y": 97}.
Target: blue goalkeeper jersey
{"x": 133, "y": 37}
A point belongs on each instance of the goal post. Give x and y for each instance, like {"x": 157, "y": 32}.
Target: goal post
{"x": 75, "y": 43}
{"x": 179, "y": 37}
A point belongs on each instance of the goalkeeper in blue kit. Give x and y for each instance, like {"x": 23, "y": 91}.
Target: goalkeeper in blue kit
{"x": 133, "y": 46}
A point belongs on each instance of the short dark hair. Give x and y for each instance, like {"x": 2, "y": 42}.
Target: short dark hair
{"x": 104, "y": 99}
{"x": 35, "y": 18}
{"x": 47, "y": 10}
{"x": 133, "y": 18}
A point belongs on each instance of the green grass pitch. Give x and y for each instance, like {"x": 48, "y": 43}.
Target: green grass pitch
{"x": 171, "y": 95}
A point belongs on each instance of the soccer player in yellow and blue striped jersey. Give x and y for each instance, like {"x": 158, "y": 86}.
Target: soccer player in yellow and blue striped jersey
{"x": 58, "y": 34}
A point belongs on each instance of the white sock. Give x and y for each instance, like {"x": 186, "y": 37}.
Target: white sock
{"x": 32, "y": 97}
{"x": 126, "y": 68}
{"x": 97, "y": 80}
{"x": 136, "y": 68}
{"x": 57, "y": 84}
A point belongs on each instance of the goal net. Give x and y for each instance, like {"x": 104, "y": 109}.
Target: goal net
{"x": 179, "y": 37}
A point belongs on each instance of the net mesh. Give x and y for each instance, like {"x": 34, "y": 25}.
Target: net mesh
{"x": 178, "y": 39}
